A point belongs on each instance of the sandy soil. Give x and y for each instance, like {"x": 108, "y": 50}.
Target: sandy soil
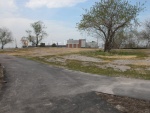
{"x": 82, "y": 58}
{"x": 119, "y": 57}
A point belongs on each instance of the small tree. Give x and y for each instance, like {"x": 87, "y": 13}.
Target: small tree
{"x": 5, "y": 37}
{"x": 38, "y": 28}
{"x": 106, "y": 17}
{"x": 54, "y": 45}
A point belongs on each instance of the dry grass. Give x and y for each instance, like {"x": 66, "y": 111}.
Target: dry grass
{"x": 119, "y": 56}
{"x": 141, "y": 64}
{"x": 32, "y": 52}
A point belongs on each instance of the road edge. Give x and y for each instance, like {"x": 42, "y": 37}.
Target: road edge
{"x": 1, "y": 75}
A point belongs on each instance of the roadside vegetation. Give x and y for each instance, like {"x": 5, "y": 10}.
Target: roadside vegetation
{"x": 132, "y": 63}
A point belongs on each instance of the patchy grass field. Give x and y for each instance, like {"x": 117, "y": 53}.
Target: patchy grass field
{"x": 126, "y": 63}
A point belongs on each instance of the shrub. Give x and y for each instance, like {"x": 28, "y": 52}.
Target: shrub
{"x": 54, "y": 45}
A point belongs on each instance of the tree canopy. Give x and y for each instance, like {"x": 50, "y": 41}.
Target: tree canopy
{"x": 5, "y": 37}
{"x": 107, "y": 17}
{"x": 38, "y": 28}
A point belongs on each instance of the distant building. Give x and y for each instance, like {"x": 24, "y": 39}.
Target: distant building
{"x": 81, "y": 43}
{"x": 24, "y": 42}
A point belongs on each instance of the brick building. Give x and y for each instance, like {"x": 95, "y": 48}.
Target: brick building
{"x": 81, "y": 43}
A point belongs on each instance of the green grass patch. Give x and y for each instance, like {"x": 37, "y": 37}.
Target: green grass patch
{"x": 138, "y": 53}
{"x": 77, "y": 65}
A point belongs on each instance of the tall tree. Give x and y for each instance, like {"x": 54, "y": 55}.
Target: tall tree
{"x": 38, "y": 28}
{"x": 106, "y": 17}
{"x": 5, "y": 37}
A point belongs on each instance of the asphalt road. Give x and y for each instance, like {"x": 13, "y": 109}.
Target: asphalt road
{"x": 38, "y": 88}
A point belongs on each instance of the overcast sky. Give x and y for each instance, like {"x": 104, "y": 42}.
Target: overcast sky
{"x": 59, "y": 16}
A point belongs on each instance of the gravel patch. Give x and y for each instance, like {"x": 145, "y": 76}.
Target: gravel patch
{"x": 82, "y": 58}
{"x": 86, "y": 63}
{"x": 148, "y": 69}
{"x": 119, "y": 67}
{"x": 56, "y": 60}
{"x": 115, "y": 67}
{"x": 123, "y": 62}
{"x": 134, "y": 62}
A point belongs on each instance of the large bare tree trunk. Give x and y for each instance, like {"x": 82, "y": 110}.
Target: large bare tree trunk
{"x": 36, "y": 45}
{"x": 108, "y": 43}
{"x": 107, "y": 46}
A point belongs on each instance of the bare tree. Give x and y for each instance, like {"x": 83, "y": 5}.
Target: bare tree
{"x": 5, "y": 37}
{"x": 38, "y": 28}
{"x": 107, "y": 17}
